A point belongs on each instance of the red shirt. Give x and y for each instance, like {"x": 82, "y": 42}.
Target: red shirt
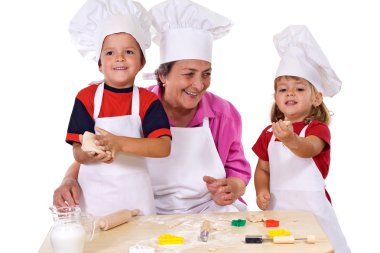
{"x": 117, "y": 102}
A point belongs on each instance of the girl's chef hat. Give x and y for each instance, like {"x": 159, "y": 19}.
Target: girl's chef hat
{"x": 100, "y": 18}
{"x": 186, "y": 30}
{"x": 301, "y": 56}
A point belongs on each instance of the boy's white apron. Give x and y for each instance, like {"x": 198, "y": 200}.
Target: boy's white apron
{"x": 296, "y": 183}
{"x": 125, "y": 182}
{"x": 178, "y": 179}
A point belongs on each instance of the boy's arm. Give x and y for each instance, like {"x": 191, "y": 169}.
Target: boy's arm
{"x": 79, "y": 155}
{"x": 262, "y": 184}
{"x": 305, "y": 147}
{"x": 147, "y": 147}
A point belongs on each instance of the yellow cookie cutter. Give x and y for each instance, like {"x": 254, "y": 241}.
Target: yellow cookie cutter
{"x": 278, "y": 232}
{"x": 170, "y": 239}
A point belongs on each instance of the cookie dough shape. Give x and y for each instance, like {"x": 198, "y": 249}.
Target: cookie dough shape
{"x": 88, "y": 143}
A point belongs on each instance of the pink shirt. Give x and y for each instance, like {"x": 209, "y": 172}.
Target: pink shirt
{"x": 226, "y": 129}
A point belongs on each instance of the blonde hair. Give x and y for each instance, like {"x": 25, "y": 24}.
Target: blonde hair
{"x": 320, "y": 112}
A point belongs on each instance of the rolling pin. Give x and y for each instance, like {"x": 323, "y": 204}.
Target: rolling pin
{"x": 117, "y": 218}
{"x": 288, "y": 239}
{"x": 291, "y": 239}
{"x": 205, "y": 230}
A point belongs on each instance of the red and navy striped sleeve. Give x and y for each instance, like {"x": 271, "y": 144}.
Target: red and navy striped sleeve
{"x": 81, "y": 118}
{"x": 155, "y": 122}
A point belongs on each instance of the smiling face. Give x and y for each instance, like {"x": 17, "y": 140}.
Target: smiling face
{"x": 120, "y": 60}
{"x": 186, "y": 83}
{"x": 295, "y": 98}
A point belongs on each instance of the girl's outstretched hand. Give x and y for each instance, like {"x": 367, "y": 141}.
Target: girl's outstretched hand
{"x": 283, "y": 130}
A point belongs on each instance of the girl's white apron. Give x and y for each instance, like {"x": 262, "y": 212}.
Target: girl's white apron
{"x": 297, "y": 184}
{"x": 125, "y": 182}
{"x": 178, "y": 179}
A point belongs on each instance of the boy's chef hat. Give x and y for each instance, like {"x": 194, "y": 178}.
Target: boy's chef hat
{"x": 301, "y": 56}
{"x": 186, "y": 30}
{"x": 97, "y": 19}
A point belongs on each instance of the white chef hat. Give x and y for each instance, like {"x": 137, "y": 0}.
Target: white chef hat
{"x": 186, "y": 30}
{"x": 301, "y": 56}
{"x": 97, "y": 19}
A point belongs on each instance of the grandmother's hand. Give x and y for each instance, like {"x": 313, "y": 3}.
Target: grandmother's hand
{"x": 221, "y": 190}
{"x": 67, "y": 194}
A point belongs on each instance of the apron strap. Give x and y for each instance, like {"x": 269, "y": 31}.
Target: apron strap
{"x": 99, "y": 97}
{"x": 98, "y": 100}
{"x": 303, "y": 131}
{"x": 135, "y": 101}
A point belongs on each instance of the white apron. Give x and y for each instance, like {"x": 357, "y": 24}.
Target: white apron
{"x": 125, "y": 182}
{"x": 177, "y": 180}
{"x": 297, "y": 184}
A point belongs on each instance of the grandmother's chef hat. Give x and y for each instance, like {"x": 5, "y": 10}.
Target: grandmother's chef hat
{"x": 97, "y": 19}
{"x": 301, "y": 56}
{"x": 186, "y": 30}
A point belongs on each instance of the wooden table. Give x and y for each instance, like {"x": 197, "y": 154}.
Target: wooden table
{"x": 224, "y": 238}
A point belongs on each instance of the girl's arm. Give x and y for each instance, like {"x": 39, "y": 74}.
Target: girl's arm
{"x": 147, "y": 147}
{"x": 262, "y": 184}
{"x": 305, "y": 147}
{"x": 67, "y": 194}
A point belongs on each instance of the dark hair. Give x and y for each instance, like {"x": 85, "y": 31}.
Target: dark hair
{"x": 164, "y": 69}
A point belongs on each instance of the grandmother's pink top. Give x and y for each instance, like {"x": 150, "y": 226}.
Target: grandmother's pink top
{"x": 226, "y": 129}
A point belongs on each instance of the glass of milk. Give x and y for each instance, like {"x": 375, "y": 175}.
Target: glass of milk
{"x": 68, "y": 234}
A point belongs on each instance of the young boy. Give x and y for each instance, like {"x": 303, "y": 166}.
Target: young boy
{"x": 131, "y": 121}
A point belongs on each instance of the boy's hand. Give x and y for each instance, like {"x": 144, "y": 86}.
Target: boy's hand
{"x": 105, "y": 157}
{"x": 262, "y": 200}
{"x": 108, "y": 142}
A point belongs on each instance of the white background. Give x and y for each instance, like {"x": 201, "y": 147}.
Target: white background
{"x": 42, "y": 73}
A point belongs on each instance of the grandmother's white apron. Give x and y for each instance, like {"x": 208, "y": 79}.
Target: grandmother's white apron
{"x": 125, "y": 182}
{"x": 297, "y": 184}
{"x": 177, "y": 180}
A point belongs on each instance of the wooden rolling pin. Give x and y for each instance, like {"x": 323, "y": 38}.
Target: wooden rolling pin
{"x": 288, "y": 239}
{"x": 291, "y": 239}
{"x": 117, "y": 218}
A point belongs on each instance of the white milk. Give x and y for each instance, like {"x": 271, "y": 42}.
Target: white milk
{"x": 67, "y": 238}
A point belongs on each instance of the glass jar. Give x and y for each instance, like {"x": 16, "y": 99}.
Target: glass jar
{"x": 68, "y": 233}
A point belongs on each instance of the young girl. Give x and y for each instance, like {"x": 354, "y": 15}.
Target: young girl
{"x": 116, "y": 34}
{"x": 294, "y": 152}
